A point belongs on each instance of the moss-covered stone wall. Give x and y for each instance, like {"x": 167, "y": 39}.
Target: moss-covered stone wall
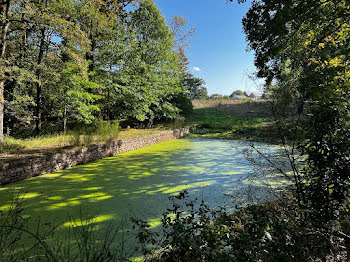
{"x": 20, "y": 169}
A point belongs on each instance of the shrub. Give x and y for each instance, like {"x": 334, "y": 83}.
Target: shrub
{"x": 82, "y": 135}
{"x": 237, "y": 93}
{"x": 179, "y": 122}
{"x": 108, "y": 130}
{"x": 261, "y": 232}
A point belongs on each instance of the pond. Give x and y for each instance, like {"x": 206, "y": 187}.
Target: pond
{"x": 138, "y": 183}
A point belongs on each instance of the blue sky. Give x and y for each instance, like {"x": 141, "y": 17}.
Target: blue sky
{"x": 218, "y": 48}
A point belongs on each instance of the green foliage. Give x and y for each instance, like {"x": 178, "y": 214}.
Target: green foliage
{"x": 264, "y": 232}
{"x": 195, "y": 88}
{"x": 237, "y": 93}
{"x": 7, "y": 146}
{"x": 234, "y": 121}
{"x": 108, "y": 130}
{"x": 179, "y": 122}
{"x": 82, "y": 60}
{"x": 302, "y": 47}
{"x": 184, "y": 103}
{"x": 153, "y": 68}
{"x": 82, "y": 135}
{"x": 216, "y": 96}
{"x": 85, "y": 134}
{"x": 75, "y": 100}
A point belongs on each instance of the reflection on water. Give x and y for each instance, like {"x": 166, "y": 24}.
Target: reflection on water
{"x": 138, "y": 183}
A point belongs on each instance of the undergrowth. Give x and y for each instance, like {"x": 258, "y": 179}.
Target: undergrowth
{"x": 189, "y": 231}
{"x": 261, "y": 232}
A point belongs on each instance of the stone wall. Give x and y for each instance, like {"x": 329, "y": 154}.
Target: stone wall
{"x": 20, "y": 169}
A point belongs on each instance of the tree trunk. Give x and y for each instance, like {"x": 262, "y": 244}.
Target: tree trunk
{"x": 65, "y": 120}
{"x": 39, "y": 85}
{"x": 24, "y": 39}
{"x": 2, "y": 82}
{"x": 89, "y": 56}
{"x": 4, "y": 12}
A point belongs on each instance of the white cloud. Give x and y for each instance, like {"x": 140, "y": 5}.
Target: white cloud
{"x": 196, "y": 68}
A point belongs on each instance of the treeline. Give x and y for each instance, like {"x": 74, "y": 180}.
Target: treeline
{"x": 70, "y": 60}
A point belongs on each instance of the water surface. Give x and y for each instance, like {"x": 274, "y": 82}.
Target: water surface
{"x": 138, "y": 183}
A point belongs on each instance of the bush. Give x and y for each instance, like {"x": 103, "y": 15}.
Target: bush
{"x": 179, "y": 122}
{"x": 261, "y": 232}
{"x": 82, "y": 135}
{"x": 237, "y": 93}
{"x": 108, "y": 130}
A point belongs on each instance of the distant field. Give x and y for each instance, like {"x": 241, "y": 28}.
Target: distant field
{"x": 240, "y": 119}
{"x": 244, "y": 108}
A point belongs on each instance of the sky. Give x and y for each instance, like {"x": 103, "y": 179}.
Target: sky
{"x": 218, "y": 49}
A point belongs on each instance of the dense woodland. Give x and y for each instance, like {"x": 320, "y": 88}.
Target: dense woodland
{"x": 73, "y": 61}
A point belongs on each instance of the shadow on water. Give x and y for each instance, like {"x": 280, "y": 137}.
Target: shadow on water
{"x": 136, "y": 183}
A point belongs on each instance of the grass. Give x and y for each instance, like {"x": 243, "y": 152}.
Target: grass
{"x": 12, "y": 145}
{"x": 216, "y": 102}
{"x": 240, "y": 120}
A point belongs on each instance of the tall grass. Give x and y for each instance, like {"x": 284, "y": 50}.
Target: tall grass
{"x": 108, "y": 130}
{"x": 80, "y": 135}
{"x": 218, "y": 102}
{"x": 10, "y": 145}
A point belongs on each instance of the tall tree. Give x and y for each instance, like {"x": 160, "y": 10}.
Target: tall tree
{"x": 195, "y": 87}
{"x": 4, "y": 26}
{"x": 35, "y": 31}
{"x": 304, "y": 48}
{"x": 150, "y": 73}
{"x": 182, "y": 35}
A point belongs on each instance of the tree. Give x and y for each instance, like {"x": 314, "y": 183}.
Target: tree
{"x": 182, "y": 32}
{"x": 237, "y": 93}
{"x": 146, "y": 70}
{"x": 4, "y": 26}
{"x": 216, "y": 96}
{"x": 302, "y": 47}
{"x": 195, "y": 88}
{"x": 182, "y": 36}
{"x": 35, "y": 32}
